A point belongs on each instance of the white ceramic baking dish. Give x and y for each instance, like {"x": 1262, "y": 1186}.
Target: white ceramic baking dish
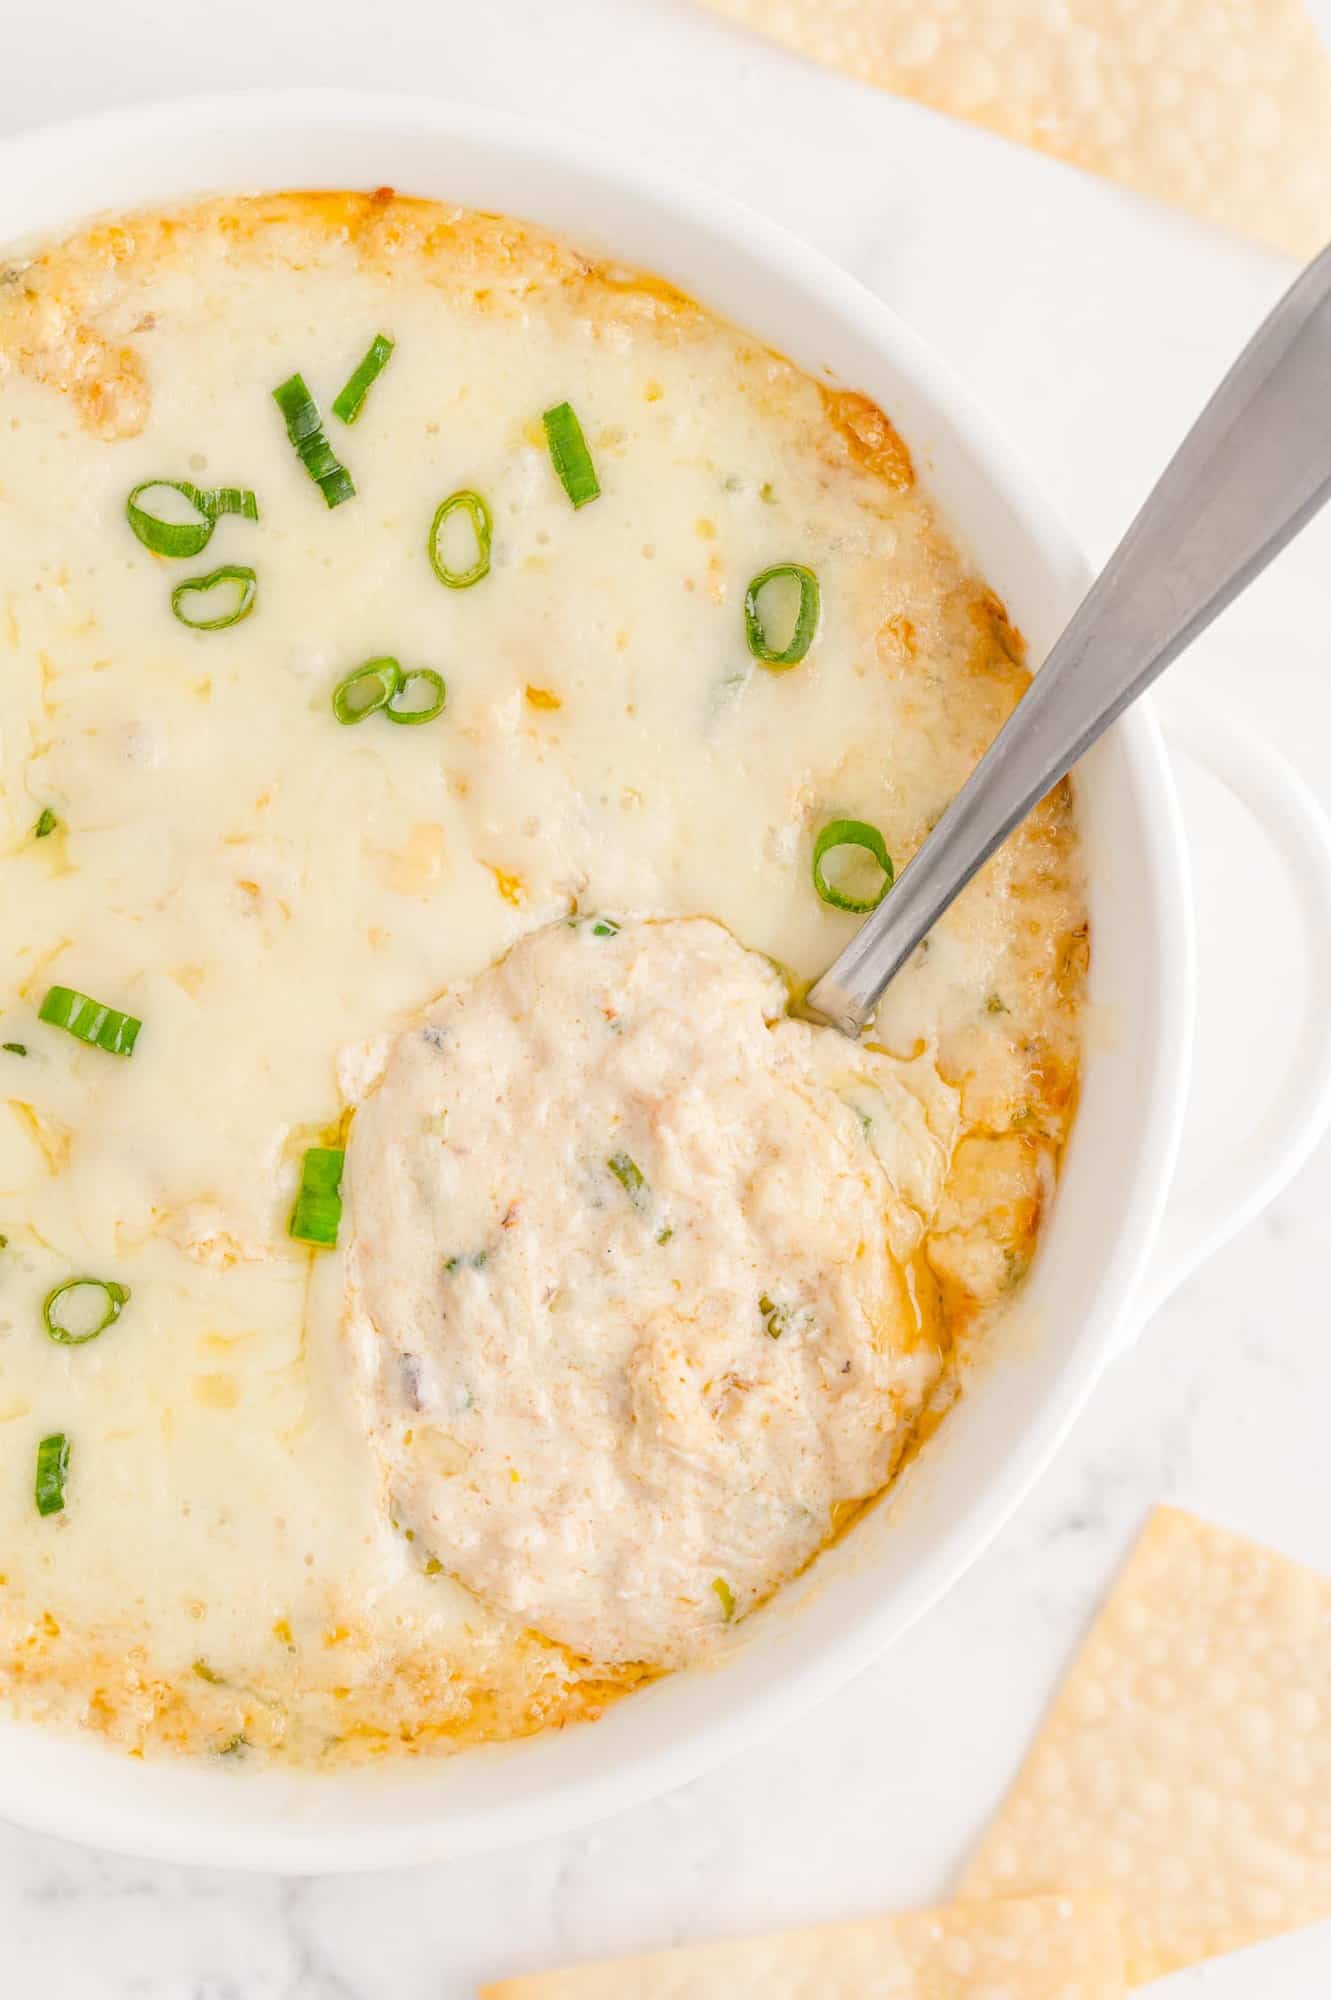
{"x": 1100, "y": 1265}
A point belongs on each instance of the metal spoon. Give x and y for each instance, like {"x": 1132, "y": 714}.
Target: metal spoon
{"x": 1253, "y": 469}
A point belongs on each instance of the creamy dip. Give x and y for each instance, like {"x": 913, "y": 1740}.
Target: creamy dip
{"x": 627, "y": 1261}
{"x": 249, "y": 1554}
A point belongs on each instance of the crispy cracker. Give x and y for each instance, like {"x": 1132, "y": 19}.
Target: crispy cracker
{"x": 1221, "y": 106}
{"x": 1040, "y": 1948}
{"x": 1185, "y": 1766}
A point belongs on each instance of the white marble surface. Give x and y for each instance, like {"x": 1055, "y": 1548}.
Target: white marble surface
{"x": 1092, "y": 325}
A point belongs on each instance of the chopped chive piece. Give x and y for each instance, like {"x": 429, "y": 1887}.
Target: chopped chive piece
{"x": 472, "y": 505}
{"x": 52, "y": 1471}
{"x": 726, "y": 1597}
{"x": 238, "y": 585}
{"x": 101, "y": 1027}
{"x": 629, "y": 1175}
{"x": 350, "y": 397}
{"x": 806, "y": 617}
{"x": 569, "y": 454}
{"x": 301, "y": 415}
{"x": 13, "y": 1048}
{"x": 994, "y": 1004}
{"x": 366, "y": 691}
{"x": 431, "y": 696}
{"x": 187, "y": 538}
{"x": 205, "y": 1673}
{"x": 318, "y": 1209}
{"x": 73, "y": 1326}
{"x": 851, "y": 833}
{"x": 46, "y": 823}
{"x": 664, "y": 1235}
{"x": 605, "y": 927}
{"x": 4, "y": 1243}
{"x": 475, "y": 1262}
{"x": 775, "y": 1318}
{"x": 233, "y": 1745}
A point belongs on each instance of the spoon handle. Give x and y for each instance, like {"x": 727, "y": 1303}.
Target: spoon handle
{"x": 1253, "y": 469}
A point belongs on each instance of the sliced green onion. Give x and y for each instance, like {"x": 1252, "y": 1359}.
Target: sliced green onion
{"x": 52, "y": 1472}
{"x": 366, "y": 690}
{"x": 478, "y": 513}
{"x": 349, "y": 398}
{"x": 318, "y": 1209}
{"x": 242, "y": 603}
{"x": 475, "y": 1260}
{"x": 100, "y": 1026}
{"x": 13, "y": 1048}
{"x": 75, "y": 1332}
{"x": 301, "y": 415}
{"x": 605, "y": 927}
{"x": 775, "y": 1317}
{"x": 806, "y": 617}
{"x": 570, "y": 456}
{"x": 4, "y": 1243}
{"x": 219, "y": 500}
{"x": 851, "y": 833}
{"x": 726, "y": 1597}
{"x": 629, "y": 1175}
{"x": 46, "y": 823}
{"x": 398, "y": 709}
{"x": 187, "y": 538}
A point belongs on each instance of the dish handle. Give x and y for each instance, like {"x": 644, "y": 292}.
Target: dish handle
{"x": 1238, "y": 1188}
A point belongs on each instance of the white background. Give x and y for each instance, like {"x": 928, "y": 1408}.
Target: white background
{"x": 1092, "y": 325}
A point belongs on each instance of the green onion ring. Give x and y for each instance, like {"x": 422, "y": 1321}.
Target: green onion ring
{"x": 199, "y": 585}
{"x": 475, "y": 507}
{"x": 630, "y": 1177}
{"x": 187, "y": 538}
{"x": 52, "y": 1470}
{"x": 851, "y": 833}
{"x": 90, "y": 1021}
{"x": 350, "y": 398}
{"x": 301, "y": 415}
{"x": 415, "y": 677}
{"x": 366, "y": 691}
{"x": 806, "y": 618}
{"x": 318, "y": 1211}
{"x": 569, "y": 454}
{"x": 46, "y": 824}
{"x": 116, "y": 1296}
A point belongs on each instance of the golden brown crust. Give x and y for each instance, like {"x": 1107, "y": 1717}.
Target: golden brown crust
{"x": 411, "y": 1703}
{"x": 870, "y": 437}
{"x": 64, "y": 321}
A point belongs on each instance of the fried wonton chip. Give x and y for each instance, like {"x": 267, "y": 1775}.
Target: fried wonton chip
{"x": 1184, "y": 1769}
{"x": 1037, "y": 1948}
{"x": 1220, "y": 106}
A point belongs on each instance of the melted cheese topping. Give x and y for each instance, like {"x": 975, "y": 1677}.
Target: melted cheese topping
{"x": 265, "y": 889}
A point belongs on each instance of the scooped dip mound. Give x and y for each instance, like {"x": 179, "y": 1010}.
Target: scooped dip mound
{"x": 631, "y": 1280}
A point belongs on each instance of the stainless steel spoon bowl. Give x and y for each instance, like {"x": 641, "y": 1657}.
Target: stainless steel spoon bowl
{"x": 1252, "y": 471}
